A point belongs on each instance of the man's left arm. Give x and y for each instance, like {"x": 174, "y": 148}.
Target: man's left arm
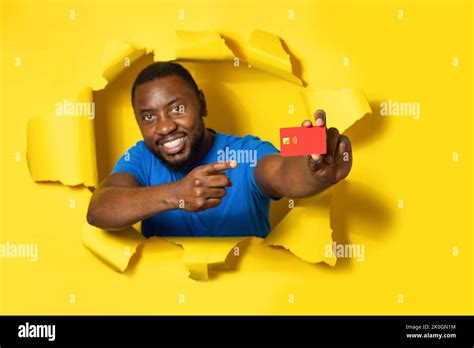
{"x": 304, "y": 176}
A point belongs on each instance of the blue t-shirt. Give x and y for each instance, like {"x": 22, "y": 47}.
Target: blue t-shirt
{"x": 243, "y": 210}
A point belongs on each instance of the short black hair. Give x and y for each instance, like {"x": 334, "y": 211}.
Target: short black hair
{"x": 162, "y": 69}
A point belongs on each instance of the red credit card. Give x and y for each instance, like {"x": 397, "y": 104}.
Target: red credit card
{"x": 300, "y": 141}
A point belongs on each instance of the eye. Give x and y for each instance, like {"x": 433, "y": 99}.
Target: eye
{"x": 178, "y": 110}
{"x": 148, "y": 117}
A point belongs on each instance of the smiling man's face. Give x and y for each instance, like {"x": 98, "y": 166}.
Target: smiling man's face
{"x": 169, "y": 114}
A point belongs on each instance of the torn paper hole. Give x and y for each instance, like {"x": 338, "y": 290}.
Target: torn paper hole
{"x": 304, "y": 231}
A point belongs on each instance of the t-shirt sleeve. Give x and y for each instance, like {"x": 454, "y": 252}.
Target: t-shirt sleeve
{"x": 263, "y": 148}
{"x": 133, "y": 162}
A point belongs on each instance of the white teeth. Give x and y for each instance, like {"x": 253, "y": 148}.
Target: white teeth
{"x": 174, "y": 143}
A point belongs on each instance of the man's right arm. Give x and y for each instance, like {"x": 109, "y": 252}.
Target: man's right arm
{"x": 120, "y": 202}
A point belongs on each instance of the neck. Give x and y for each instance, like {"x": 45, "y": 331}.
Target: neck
{"x": 206, "y": 144}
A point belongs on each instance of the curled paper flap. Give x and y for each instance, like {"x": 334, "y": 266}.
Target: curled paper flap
{"x": 62, "y": 148}
{"x": 118, "y": 56}
{"x": 306, "y": 230}
{"x": 265, "y": 51}
{"x": 201, "y": 45}
{"x": 114, "y": 247}
{"x": 203, "y": 254}
{"x": 343, "y": 107}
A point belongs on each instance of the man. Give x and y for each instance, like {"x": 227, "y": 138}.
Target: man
{"x": 174, "y": 182}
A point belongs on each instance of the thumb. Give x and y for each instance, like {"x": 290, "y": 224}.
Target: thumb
{"x": 315, "y": 162}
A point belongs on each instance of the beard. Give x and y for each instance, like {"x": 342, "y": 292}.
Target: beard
{"x": 194, "y": 145}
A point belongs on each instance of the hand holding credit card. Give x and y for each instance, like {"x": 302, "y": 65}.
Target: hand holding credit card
{"x": 300, "y": 141}
{"x": 330, "y": 153}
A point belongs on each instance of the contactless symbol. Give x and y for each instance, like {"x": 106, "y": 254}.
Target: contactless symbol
{"x": 294, "y": 140}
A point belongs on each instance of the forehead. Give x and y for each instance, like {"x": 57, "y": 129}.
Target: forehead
{"x": 159, "y": 92}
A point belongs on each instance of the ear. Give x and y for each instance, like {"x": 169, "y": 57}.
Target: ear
{"x": 202, "y": 100}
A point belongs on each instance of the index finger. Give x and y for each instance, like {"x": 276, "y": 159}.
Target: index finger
{"x": 320, "y": 118}
{"x": 217, "y": 167}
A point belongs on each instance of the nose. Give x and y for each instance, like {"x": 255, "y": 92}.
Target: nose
{"x": 165, "y": 126}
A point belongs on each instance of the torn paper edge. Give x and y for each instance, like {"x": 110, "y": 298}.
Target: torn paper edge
{"x": 349, "y": 96}
{"x": 275, "y": 240}
{"x": 119, "y": 253}
{"x": 200, "y": 269}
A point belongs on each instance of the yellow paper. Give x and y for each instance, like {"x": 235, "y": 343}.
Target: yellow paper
{"x": 117, "y": 56}
{"x": 203, "y": 254}
{"x": 114, "y": 247}
{"x": 265, "y": 52}
{"x": 201, "y": 45}
{"x": 306, "y": 230}
{"x": 417, "y": 246}
{"x": 343, "y": 107}
{"x": 62, "y": 148}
